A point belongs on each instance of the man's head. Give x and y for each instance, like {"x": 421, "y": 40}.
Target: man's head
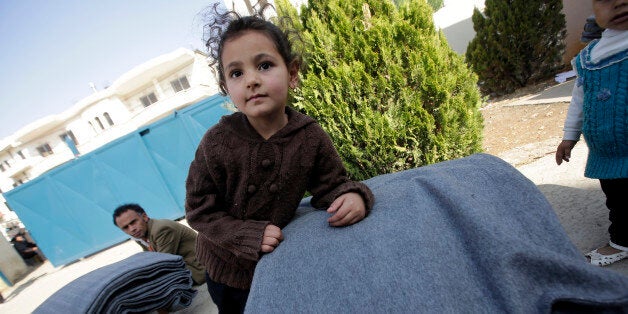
{"x": 132, "y": 219}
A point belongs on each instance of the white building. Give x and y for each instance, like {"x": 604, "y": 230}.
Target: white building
{"x": 143, "y": 95}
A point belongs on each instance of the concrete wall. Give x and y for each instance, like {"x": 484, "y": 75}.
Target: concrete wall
{"x": 454, "y": 19}
{"x": 576, "y": 13}
{"x": 12, "y": 265}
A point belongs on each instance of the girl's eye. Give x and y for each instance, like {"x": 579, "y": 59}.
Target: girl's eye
{"x": 265, "y": 66}
{"x": 235, "y": 74}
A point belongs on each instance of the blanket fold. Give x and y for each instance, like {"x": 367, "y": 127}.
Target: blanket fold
{"x": 141, "y": 283}
{"x": 467, "y": 235}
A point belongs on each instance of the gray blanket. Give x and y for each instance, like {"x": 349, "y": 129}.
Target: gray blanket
{"x": 471, "y": 235}
{"x": 141, "y": 283}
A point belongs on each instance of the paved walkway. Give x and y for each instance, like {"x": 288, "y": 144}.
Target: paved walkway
{"x": 44, "y": 280}
{"x": 578, "y": 202}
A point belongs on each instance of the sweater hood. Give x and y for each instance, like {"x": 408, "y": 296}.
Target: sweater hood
{"x": 238, "y": 124}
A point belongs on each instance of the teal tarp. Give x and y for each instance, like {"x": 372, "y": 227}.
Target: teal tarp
{"x": 68, "y": 210}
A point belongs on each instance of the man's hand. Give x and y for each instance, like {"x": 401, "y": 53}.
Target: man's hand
{"x": 272, "y": 237}
{"x": 563, "y": 152}
{"x": 348, "y": 209}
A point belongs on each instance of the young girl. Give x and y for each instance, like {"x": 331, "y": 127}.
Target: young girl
{"x": 252, "y": 169}
{"x": 599, "y": 110}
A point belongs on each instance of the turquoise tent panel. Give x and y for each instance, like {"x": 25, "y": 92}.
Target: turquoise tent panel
{"x": 128, "y": 163}
{"x": 68, "y": 210}
{"x": 87, "y": 181}
{"x": 172, "y": 150}
{"x": 172, "y": 142}
{"x": 59, "y": 233}
{"x": 87, "y": 191}
{"x": 198, "y": 119}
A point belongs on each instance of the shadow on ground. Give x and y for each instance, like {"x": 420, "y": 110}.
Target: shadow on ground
{"x": 584, "y": 217}
{"x": 23, "y": 285}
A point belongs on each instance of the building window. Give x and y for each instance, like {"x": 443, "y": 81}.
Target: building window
{"x": 108, "y": 118}
{"x": 4, "y": 165}
{"x": 102, "y": 127}
{"x": 21, "y": 154}
{"x": 180, "y": 84}
{"x": 69, "y": 134}
{"x": 17, "y": 182}
{"x": 148, "y": 99}
{"x": 45, "y": 150}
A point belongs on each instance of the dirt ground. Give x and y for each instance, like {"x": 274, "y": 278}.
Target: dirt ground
{"x": 507, "y": 126}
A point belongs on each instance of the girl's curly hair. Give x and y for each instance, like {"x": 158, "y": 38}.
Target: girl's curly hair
{"x": 225, "y": 26}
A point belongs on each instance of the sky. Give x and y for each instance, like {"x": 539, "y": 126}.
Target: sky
{"x": 50, "y": 51}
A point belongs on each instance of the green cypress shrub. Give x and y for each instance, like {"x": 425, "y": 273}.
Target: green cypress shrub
{"x": 435, "y": 4}
{"x": 385, "y": 85}
{"x": 517, "y": 42}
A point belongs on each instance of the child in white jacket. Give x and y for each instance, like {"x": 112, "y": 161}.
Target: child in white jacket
{"x": 599, "y": 111}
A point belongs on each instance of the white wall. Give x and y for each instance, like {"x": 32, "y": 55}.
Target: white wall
{"x": 11, "y": 263}
{"x": 454, "y": 19}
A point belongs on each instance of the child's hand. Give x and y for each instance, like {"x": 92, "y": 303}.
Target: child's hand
{"x": 348, "y": 209}
{"x": 272, "y": 237}
{"x": 563, "y": 152}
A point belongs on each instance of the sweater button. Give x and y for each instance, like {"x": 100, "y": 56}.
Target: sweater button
{"x": 273, "y": 188}
{"x": 251, "y": 189}
{"x": 266, "y": 163}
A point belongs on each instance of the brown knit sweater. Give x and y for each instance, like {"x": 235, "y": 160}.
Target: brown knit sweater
{"x": 239, "y": 183}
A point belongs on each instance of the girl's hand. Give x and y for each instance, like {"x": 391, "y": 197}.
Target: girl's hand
{"x": 272, "y": 237}
{"x": 563, "y": 152}
{"x": 348, "y": 209}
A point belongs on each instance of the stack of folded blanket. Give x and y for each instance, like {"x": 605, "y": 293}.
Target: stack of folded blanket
{"x": 144, "y": 282}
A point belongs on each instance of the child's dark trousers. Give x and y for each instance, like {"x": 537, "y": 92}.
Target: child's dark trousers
{"x": 616, "y": 191}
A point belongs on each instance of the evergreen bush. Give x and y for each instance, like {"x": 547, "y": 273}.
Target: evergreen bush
{"x": 385, "y": 85}
{"x": 435, "y": 4}
{"x": 517, "y": 42}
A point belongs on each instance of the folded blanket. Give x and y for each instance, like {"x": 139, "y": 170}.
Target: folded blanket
{"x": 143, "y": 282}
{"x": 470, "y": 235}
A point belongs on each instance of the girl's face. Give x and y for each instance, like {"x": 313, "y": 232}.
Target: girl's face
{"x": 256, "y": 76}
{"x": 611, "y": 14}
